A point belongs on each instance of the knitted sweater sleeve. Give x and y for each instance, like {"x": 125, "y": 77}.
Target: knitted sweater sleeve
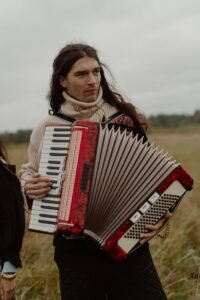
{"x": 32, "y": 166}
{"x": 34, "y": 152}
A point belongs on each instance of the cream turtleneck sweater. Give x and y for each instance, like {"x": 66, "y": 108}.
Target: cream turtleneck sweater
{"x": 94, "y": 111}
{"x": 82, "y": 110}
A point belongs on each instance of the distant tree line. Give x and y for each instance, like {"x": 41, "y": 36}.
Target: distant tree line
{"x": 175, "y": 120}
{"x": 160, "y": 120}
{"x": 18, "y": 137}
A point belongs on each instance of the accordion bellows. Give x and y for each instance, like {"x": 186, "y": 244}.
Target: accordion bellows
{"x": 112, "y": 184}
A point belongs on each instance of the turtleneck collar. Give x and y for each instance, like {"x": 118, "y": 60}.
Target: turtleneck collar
{"x": 80, "y": 109}
{"x": 83, "y": 104}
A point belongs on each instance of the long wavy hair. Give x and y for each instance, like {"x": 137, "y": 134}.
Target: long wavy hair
{"x": 62, "y": 65}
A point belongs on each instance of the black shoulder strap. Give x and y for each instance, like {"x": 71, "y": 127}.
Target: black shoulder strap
{"x": 137, "y": 129}
{"x": 65, "y": 117}
{"x": 112, "y": 117}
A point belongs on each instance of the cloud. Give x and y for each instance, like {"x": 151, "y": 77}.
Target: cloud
{"x": 152, "y": 48}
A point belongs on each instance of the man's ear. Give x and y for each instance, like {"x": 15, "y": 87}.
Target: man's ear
{"x": 63, "y": 82}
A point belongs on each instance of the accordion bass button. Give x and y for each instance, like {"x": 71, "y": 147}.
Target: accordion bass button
{"x": 135, "y": 217}
{"x": 154, "y": 198}
{"x": 145, "y": 207}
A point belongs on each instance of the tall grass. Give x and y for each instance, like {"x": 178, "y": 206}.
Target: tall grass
{"x": 177, "y": 258}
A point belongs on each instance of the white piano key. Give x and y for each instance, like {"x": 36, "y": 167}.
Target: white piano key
{"x": 42, "y": 205}
{"x": 38, "y": 213}
{"x": 47, "y": 157}
{"x": 47, "y": 161}
{"x": 38, "y": 209}
{"x": 53, "y": 178}
{"x": 55, "y": 135}
{"x": 55, "y": 152}
{"x": 43, "y": 228}
{"x": 43, "y": 217}
{"x": 58, "y": 128}
{"x": 56, "y": 139}
{"x": 51, "y": 199}
{"x": 55, "y": 191}
{"x": 50, "y": 172}
{"x": 57, "y": 168}
{"x": 47, "y": 222}
{"x": 64, "y": 131}
{"x": 50, "y": 144}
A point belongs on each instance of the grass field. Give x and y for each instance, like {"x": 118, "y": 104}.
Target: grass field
{"x": 177, "y": 258}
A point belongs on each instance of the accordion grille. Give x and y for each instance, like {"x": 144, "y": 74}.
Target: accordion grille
{"x": 126, "y": 172}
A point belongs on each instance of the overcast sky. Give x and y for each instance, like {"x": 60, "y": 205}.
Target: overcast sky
{"x": 152, "y": 48}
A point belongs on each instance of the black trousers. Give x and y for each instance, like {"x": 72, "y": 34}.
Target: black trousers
{"x": 87, "y": 273}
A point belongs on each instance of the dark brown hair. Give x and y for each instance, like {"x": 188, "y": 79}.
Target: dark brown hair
{"x": 62, "y": 65}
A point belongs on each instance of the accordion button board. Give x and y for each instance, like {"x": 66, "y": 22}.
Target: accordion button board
{"x": 155, "y": 208}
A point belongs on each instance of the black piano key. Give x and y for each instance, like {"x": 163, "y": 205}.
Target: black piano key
{"x": 53, "y": 187}
{"x": 53, "y": 168}
{"x": 60, "y": 135}
{"x": 57, "y": 154}
{"x": 54, "y": 181}
{"x": 50, "y": 201}
{"x": 49, "y": 207}
{"x": 55, "y": 162}
{"x": 62, "y": 129}
{"x": 47, "y": 216}
{"x": 53, "y": 196}
{"x": 60, "y": 141}
{"x": 52, "y": 173}
{"x": 59, "y": 148}
{"x": 47, "y": 222}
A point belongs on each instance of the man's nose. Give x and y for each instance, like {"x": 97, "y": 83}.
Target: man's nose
{"x": 91, "y": 79}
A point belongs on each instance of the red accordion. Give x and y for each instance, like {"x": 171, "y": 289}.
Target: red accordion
{"x": 111, "y": 183}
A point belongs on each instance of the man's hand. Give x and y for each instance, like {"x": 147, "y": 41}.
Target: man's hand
{"x": 7, "y": 289}
{"x": 37, "y": 187}
{"x": 153, "y": 229}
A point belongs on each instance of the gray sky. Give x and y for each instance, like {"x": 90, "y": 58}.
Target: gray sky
{"x": 152, "y": 48}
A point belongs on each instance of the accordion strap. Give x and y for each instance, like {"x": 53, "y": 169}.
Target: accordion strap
{"x": 70, "y": 119}
{"x": 65, "y": 117}
{"x": 111, "y": 120}
{"x": 112, "y": 117}
{"x": 125, "y": 122}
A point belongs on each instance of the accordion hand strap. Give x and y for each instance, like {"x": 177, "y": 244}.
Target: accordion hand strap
{"x": 65, "y": 117}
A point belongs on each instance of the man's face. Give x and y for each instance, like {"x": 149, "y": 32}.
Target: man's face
{"x": 83, "y": 80}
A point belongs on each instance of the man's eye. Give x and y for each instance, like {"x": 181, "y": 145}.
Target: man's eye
{"x": 80, "y": 74}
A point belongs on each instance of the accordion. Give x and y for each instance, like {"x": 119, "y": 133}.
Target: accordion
{"x": 107, "y": 183}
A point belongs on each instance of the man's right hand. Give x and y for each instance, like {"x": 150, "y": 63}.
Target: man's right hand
{"x": 37, "y": 187}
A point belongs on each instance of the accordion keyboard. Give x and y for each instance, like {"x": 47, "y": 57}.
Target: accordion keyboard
{"x": 52, "y": 165}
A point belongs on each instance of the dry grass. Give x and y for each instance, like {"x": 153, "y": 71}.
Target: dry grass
{"x": 177, "y": 258}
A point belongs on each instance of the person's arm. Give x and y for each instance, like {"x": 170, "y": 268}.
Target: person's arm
{"x": 33, "y": 185}
{"x": 11, "y": 230}
{"x": 8, "y": 284}
{"x": 8, "y": 267}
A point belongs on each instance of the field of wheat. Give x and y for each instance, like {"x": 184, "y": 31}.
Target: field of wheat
{"x": 177, "y": 258}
